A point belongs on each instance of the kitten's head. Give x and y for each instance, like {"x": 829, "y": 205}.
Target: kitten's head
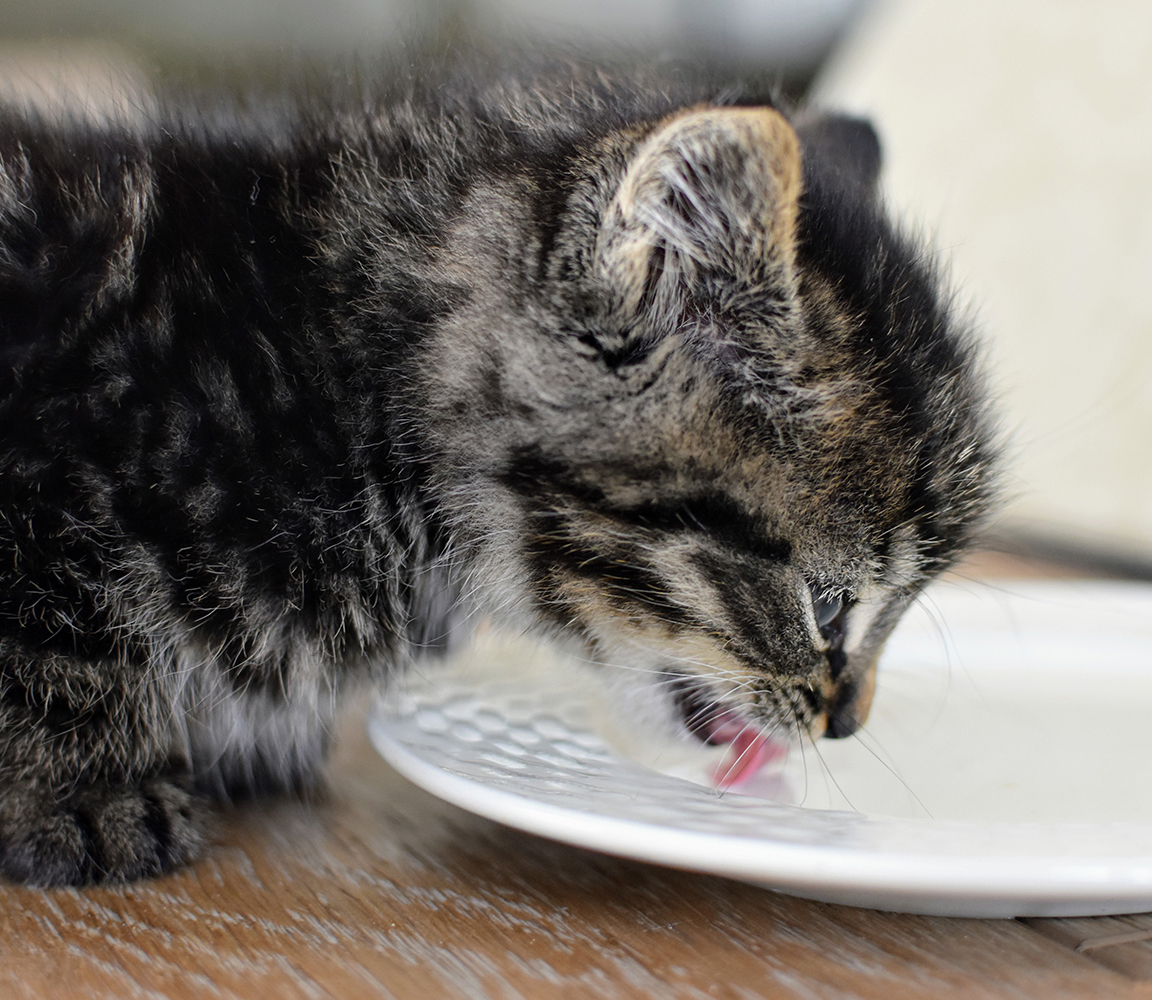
{"x": 706, "y": 410}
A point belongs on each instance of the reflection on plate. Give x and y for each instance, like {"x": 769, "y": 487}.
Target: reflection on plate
{"x": 1004, "y": 770}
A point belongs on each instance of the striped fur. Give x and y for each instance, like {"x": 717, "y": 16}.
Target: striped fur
{"x": 292, "y": 393}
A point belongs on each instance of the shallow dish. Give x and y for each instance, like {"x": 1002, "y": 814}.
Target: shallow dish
{"x": 1004, "y": 771}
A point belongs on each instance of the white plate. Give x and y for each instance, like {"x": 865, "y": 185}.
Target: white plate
{"x": 1004, "y": 772}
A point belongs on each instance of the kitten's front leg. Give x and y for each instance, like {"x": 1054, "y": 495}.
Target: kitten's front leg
{"x": 102, "y": 832}
{"x": 87, "y": 791}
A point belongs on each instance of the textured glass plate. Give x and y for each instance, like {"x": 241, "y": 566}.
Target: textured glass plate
{"x": 1005, "y": 769}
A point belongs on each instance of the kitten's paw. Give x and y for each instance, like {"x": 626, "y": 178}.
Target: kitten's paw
{"x": 102, "y": 833}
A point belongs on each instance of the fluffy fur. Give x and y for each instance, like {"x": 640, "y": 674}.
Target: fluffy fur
{"x": 291, "y": 394}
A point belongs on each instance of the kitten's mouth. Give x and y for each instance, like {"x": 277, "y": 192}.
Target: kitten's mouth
{"x": 751, "y": 747}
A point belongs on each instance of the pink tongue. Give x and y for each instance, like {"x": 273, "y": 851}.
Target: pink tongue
{"x": 749, "y": 751}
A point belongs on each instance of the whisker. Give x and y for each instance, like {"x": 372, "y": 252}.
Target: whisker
{"x": 829, "y": 776}
{"x": 859, "y": 737}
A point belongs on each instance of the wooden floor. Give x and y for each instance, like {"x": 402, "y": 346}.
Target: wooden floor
{"x": 376, "y": 889}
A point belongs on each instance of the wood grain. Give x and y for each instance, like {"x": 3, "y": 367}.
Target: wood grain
{"x": 1123, "y": 944}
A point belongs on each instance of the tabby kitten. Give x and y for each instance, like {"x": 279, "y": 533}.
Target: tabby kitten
{"x": 291, "y": 394}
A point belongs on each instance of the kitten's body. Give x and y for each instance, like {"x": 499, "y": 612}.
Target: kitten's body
{"x": 288, "y": 399}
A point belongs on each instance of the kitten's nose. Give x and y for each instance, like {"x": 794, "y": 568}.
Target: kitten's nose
{"x": 843, "y": 718}
{"x": 848, "y": 708}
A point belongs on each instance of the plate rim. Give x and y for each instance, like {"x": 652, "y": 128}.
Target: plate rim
{"x": 1051, "y": 883}
{"x": 880, "y": 879}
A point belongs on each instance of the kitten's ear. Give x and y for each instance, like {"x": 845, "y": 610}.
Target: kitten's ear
{"x": 711, "y": 194}
{"x": 847, "y": 145}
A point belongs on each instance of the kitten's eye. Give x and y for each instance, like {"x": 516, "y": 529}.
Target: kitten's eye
{"x": 825, "y": 609}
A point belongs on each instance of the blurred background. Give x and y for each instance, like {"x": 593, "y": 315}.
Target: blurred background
{"x": 789, "y": 37}
{"x": 1017, "y": 135}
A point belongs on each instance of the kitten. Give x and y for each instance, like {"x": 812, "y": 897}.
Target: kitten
{"x": 291, "y": 394}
